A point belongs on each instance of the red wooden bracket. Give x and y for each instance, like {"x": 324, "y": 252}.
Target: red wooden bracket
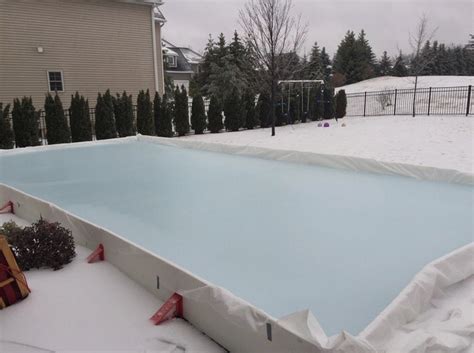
{"x": 173, "y": 307}
{"x": 97, "y": 254}
{"x": 7, "y": 208}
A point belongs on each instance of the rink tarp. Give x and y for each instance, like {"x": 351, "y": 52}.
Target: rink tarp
{"x": 240, "y": 326}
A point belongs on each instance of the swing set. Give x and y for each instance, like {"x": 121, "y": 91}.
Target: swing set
{"x": 301, "y": 86}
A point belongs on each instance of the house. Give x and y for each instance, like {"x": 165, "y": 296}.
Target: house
{"x": 87, "y": 46}
{"x": 181, "y": 63}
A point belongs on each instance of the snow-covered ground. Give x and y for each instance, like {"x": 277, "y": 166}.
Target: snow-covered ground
{"x": 437, "y": 141}
{"x": 91, "y": 308}
{"x": 391, "y": 82}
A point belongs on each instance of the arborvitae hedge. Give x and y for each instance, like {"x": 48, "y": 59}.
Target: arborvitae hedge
{"x": 264, "y": 110}
{"x": 317, "y": 104}
{"x": 214, "y": 115}
{"x": 251, "y": 114}
{"x": 57, "y": 129}
{"x": 181, "y": 113}
{"x": 25, "y": 122}
{"x": 198, "y": 115}
{"x": 328, "y": 97}
{"x": 6, "y": 132}
{"x": 145, "y": 121}
{"x": 232, "y": 111}
{"x": 164, "y": 127}
{"x": 157, "y": 112}
{"x": 104, "y": 117}
{"x": 341, "y": 104}
{"x": 123, "y": 110}
{"x": 79, "y": 119}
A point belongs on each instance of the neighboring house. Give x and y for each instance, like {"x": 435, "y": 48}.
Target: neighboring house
{"x": 181, "y": 63}
{"x": 79, "y": 45}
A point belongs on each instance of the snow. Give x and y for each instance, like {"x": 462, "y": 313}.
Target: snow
{"x": 391, "y": 82}
{"x": 437, "y": 141}
{"x": 91, "y": 308}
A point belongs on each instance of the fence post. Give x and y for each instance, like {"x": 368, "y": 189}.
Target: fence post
{"x": 395, "y": 103}
{"x": 429, "y": 102}
{"x": 469, "y": 90}
{"x": 365, "y": 101}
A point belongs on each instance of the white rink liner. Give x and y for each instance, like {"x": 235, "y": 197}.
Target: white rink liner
{"x": 325, "y": 160}
{"x": 239, "y": 326}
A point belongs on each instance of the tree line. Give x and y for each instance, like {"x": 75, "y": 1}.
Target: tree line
{"x": 160, "y": 116}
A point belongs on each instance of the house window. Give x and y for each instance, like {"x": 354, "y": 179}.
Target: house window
{"x": 172, "y": 61}
{"x": 55, "y": 81}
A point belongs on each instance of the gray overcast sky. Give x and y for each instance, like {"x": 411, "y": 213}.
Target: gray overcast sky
{"x": 386, "y": 23}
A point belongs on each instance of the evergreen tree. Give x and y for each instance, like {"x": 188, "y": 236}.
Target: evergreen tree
{"x": 326, "y": 65}
{"x": 315, "y": 65}
{"x": 385, "y": 65}
{"x": 25, "y": 122}
{"x": 181, "y": 117}
{"x": 6, "y": 132}
{"x": 264, "y": 109}
{"x": 123, "y": 111}
{"x": 164, "y": 127}
{"x": 232, "y": 111}
{"x": 57, "y": 130}
{"x": 328, "y": 97}
{"x": 145, "y": 122}
{"x": 157, "y": 111}
{"x": 251, "y": 115}
{"x": 365, "y": 58}
{"x": 399, "y": 68}
{"x": 198, "y": 115}
{"x": 214, "y": 115}
{"x": 79, "y": 118}
{"x": 341, "y": 104}
{"x": 104, "y": 117}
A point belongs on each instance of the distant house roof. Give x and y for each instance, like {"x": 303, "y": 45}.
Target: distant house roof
{"x": 186, "y": 57}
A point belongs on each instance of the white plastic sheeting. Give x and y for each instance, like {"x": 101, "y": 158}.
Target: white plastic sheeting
{"x": 325, "y": 160}
{"x": 240, "y": 327}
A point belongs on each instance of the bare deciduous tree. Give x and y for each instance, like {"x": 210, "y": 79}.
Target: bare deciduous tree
{"x": 416, "y": 40}
{"x": 272, "y": 32}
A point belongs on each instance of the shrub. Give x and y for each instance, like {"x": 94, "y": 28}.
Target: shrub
{"x": 25, "y": 122}
{"x": 145, "y": 123}
{"x": 181, "y": 112}
{"x": 232, "y": 111}
{"x": 165, "y": 121}
{"x": 57, "y": 130}
{"x": 123, "y": 111}
{"x": 214, "y": 115}
{"x": 328, "y": 98}
{"x": 157, "y": 112}
{"x": 264, "y": 110}
{"x": 80, "y": 120}
{"x": 198, "y": 115}
{"x": 10, "y": 230}
{"x": 341, "y": 104}
{"x": 6, "y": 132}
{"x": 104, "y": 117}
{"x": 43, "y": 244}
{"x": 251, "y": 114}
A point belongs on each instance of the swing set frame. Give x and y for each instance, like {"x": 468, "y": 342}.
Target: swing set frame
{"x": 310, "y": 84}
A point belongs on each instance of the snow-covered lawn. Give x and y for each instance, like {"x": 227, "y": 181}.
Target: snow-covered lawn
{"x": 92, "y": 308}
{"x": 391, "y": 82}
{"x": 437, "y": 141}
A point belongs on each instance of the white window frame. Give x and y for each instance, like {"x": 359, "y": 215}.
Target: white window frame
{"x": 62, "y": 80}
{"x": 172, "y": 61}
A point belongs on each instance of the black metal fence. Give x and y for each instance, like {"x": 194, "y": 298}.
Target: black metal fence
{"x": 422, "y": 101}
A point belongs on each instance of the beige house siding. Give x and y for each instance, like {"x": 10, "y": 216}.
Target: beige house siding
{"x": 97, "y": 44}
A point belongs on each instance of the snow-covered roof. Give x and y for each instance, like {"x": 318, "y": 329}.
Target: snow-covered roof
{"x": 169, "y": 52}
{"x": 191, "y": 56}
